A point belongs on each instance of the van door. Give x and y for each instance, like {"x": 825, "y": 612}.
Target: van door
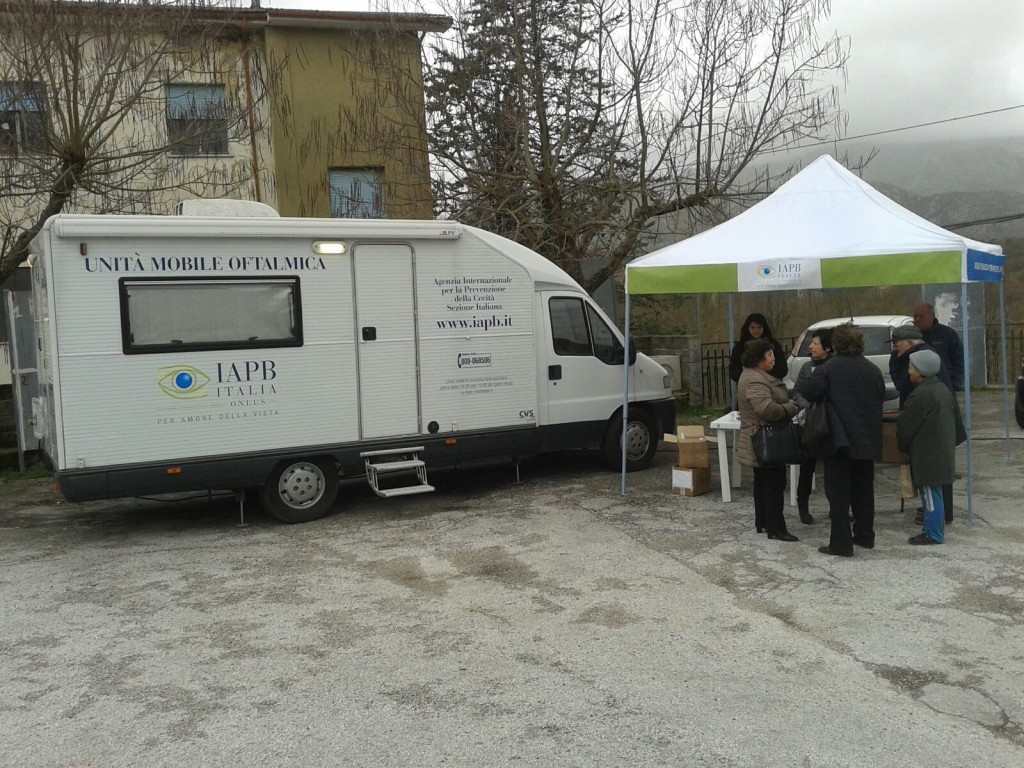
{"x": 584, "y": 361}
{"x": 386, "y": 340}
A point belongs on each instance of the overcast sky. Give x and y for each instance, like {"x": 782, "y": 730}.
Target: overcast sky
{"x": 911, "y": 62}
{"x": 916, "y": 61}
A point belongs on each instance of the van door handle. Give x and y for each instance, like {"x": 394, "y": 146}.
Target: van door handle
{"x": 369, "y": 333}
{"x": 554, "y": 373}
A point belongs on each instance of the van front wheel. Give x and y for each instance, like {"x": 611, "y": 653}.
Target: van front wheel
{"x": 641, "y": 441}
{"x": 298, "y": 491}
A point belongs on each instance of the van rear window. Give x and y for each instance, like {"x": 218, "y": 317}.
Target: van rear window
{"x": 175, "y": 314}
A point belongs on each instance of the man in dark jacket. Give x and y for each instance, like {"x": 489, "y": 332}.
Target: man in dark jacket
{"x": 926, "y": 431}
{"x": 855, "y": 390}
{"x": 944, "y": 340}
{"x": 905, "y": 340}
{"x": 908, "y": 338}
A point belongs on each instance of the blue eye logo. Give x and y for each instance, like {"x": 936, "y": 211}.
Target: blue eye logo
{"x": 183, "y": 382}
{"x": 767, "y": 272}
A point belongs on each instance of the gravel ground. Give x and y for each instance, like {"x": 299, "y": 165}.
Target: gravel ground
{"x": 549, "y": 622}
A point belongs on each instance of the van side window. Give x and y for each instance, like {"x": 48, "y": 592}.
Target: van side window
{"x": 607, "y": 348}
{"x": 569, "y": 327}
{"x": 178, "y": 314}
{"x": 577, "y": 329}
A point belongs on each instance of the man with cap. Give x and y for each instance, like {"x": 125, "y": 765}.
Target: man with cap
{"x": 907, "y": 339}
{"x": 904, "y": 339}
{"x": 944, "y": 340}
{"x": 926, "y": 430}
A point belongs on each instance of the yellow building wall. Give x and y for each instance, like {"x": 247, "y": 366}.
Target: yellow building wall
{"x": 345, "y": 99}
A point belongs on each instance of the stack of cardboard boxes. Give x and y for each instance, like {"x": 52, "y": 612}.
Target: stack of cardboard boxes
{"x": 692, "y": 474}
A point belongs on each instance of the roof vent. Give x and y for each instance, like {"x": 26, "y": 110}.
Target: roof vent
{"x": 223, "y": 207}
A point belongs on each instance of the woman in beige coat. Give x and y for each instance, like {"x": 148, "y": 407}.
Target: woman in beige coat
{"x": 763, "y": 399}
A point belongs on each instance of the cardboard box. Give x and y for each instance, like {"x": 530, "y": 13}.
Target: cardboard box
{"x": 890, "y": 453}
{"x": 693, "y": 447}
{"x": 691, "y": 482}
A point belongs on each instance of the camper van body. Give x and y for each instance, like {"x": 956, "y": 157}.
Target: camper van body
{"x": 186, "y": 352}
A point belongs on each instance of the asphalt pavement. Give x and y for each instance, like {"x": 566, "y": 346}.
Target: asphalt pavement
{"x": 545, "y": 622}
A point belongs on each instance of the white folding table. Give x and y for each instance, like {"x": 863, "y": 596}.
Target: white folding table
{"x": 729, "y": 480}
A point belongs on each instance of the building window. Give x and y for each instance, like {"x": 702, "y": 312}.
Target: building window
{"x": 357, "y": 193}
{"x": 178, "y": 314}
{"x": 196, "y": 120}
{"x": 22, "y": 116}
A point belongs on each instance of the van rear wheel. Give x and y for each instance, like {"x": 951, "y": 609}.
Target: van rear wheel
{"x": 641, "y": 441}
{"x": 301, "y": 490}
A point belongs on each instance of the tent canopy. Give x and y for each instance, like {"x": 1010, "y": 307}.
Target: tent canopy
{"x": 824, "y": 228}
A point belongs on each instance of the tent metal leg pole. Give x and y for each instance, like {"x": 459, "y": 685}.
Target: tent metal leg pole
{"x": 1006, "y": 382}
{"x": 625, "y": 391}
{"x": 967, "y": 399}
{"x": 732, "y": 384}
{"x": 700, "y": 338}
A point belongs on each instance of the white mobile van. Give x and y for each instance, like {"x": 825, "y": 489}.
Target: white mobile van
{"x": 182, "y": 353}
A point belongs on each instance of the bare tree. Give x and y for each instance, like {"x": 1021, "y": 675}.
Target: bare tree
{"x": 573, "y": 126}
{"x": 117, "y": 106}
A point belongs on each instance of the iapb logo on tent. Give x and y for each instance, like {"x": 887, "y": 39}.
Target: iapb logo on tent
{"x": 779, "y": 275}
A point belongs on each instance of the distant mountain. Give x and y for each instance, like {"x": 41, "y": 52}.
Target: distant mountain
{"x": 951, "y": 182}
{"x": 930, "y": 168}
{"x": 949, "y": 209}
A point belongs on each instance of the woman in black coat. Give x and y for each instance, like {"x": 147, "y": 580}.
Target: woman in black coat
{"x": 854, "y": 390}
{"x": 821, "y": 351}
{"x": 756, "y": 327}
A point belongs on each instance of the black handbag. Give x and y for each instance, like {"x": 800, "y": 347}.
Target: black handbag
{"x": 778, "y": 444}
{"x": 816, "y": 426}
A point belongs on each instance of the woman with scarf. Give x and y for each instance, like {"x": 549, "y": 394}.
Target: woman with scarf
{"x": 756, "y": 327}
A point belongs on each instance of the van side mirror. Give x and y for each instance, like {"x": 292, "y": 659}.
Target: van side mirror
{"x": 631, "y": 349}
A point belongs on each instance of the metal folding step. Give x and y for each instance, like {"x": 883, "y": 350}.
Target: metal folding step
{"x": 394, "y": 461}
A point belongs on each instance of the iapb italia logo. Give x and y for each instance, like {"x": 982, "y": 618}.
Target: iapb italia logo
{"x": 226, "y": 390}
{"x": 780, "y": 271}
{"x": 235, "y": 381}
{"x": 183, "y": 382}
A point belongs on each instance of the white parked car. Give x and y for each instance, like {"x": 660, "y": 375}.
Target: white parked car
{"x": 877, "y": 330}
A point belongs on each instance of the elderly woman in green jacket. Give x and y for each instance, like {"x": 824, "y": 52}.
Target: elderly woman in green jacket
{"x": 762, "y": 399}
{"x": 926, "y": 429}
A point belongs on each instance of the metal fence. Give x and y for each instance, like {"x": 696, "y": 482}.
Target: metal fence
{"x": 715, "y": 372}
{"x": 994, "y": 352}
{"x": 715, "y": 362}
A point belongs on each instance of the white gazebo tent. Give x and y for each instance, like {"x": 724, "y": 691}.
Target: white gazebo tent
{"x": 824, "y": 228}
